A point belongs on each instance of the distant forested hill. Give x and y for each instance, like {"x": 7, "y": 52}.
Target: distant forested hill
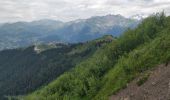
{"x": 27, "y": 69}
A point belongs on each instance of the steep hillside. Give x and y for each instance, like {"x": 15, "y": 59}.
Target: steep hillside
{"x": 114, "y": 65}
{"x": 156, "y": 86}
{"x": 22, "y": 34}
{"x": 26, "y": 69}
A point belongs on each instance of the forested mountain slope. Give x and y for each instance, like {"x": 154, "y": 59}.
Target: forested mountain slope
{"x": 113, "y": 66}
{"x": 26, "y": 69}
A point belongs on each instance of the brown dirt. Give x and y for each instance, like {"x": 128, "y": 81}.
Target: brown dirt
{"x": 157, "y": 87}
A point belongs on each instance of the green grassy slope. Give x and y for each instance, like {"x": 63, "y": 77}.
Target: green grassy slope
{"x": 131, "y": 65}
{"x": 114, "y": 65}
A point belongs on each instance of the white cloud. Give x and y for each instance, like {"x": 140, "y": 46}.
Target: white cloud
{"x": 66, "y": 10}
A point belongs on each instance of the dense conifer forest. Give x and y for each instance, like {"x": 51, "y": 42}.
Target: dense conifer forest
{"x": 24, "y": 70}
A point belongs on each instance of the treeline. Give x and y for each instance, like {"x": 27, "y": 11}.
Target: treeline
{"x": 114, "y": 65}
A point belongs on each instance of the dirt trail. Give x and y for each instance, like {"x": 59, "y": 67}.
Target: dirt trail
{"x": 157, "y": 87}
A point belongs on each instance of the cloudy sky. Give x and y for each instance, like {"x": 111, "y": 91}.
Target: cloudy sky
{"x": 67, "y": 10}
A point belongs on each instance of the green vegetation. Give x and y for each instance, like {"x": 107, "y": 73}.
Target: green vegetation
{"x": 114, "y": 65}
{"x": 24, "y": 70}
{"x": 143, "y": 79}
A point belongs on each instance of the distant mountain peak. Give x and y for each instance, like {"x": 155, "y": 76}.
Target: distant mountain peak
{"x": 138, "y": 16}
{"x": 46, "y": 22}
{"x": 21, "y": 34}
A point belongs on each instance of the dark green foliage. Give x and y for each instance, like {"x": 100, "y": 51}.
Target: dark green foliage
{"x": 24, "y": 70}
{"x": 153, "y": 51}
{"x": 142, "y": 80}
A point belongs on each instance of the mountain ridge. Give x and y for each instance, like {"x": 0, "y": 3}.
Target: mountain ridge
{"x": 20, "y": 34}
